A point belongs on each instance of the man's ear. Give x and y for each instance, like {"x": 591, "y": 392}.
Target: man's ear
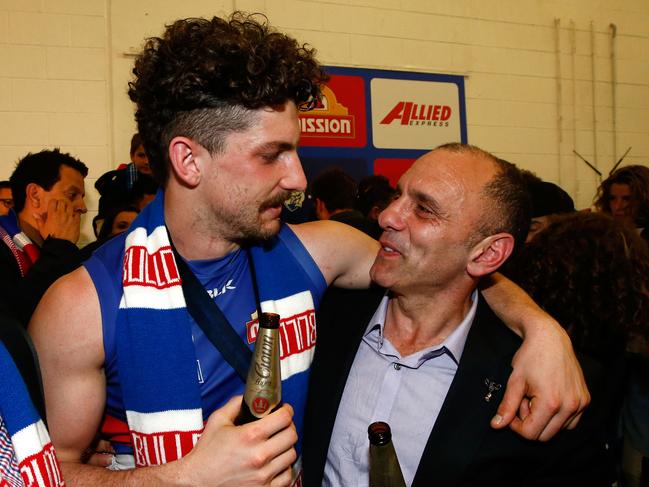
{"x": 321, "y": 209}
{"x": 489, "y": 254}
{"x": 185, "y": 155}
{"x": 33, "y": 196}
{"x": 375, "y": 212}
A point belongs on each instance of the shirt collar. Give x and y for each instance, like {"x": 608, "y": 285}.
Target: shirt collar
{"x": 454, "y": 343}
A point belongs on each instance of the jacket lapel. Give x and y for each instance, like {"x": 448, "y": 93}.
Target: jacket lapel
{"x": 466, "y": 412}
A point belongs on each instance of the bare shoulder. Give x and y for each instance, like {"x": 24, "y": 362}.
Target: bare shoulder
{"x": 312, "y": 233}
{"x": 66, "y": 331}
{"x": 343, "y": 253}
{"x": 68, "y": 319}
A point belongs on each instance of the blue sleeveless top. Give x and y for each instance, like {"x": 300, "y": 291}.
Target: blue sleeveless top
{"x": 290, "y": 283}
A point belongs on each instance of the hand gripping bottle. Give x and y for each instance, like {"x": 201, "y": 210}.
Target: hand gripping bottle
{"x": 263, "y": 393}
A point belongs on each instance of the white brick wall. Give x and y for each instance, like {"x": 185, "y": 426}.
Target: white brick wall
{"x": 64, "y": 79}
{"x": 54, "y": 90}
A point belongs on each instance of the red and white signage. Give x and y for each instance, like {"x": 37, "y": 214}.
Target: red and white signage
{"x": 413, "y": 114}
{"x": 339, "y": 119}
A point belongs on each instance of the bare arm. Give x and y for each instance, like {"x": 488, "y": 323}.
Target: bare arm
{"x": 259, "y": 453}
{"x": 546, "y": 391}
{"x": 66, "y": 330}
{"x": 67, "y": 335}
{"x": 343, "y": 253}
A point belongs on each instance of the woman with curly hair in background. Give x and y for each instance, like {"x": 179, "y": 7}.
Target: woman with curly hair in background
{"x": 625, "y": 195}
{"x": 591, "y": 273}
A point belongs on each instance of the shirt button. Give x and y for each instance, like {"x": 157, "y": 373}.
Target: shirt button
{"x": 397, "y": 366}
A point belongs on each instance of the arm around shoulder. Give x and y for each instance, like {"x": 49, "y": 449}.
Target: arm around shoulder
{"x": 546, "y": 391}
{"x": 343, "y": 253}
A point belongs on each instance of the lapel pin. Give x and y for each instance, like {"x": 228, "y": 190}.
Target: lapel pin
{"x": 492, "y": 387}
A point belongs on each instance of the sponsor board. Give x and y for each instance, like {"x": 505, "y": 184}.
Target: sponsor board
{"x": 338, "y": 119}
{"x": 414, "y": 114}
{"x": 398, "y": 116}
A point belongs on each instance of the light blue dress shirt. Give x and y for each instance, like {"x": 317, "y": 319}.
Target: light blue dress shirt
{"x": 405, "y": 392}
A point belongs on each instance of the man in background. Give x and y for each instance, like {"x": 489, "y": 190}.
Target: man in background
{"x": 548, "y": 199}
{"x": 39, "y": 235}
{"x": 334, "y": 193}
{"x": 6, "y": 199}
{"x": 130, "y": 184}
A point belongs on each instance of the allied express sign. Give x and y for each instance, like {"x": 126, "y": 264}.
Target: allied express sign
{"x": 372, "y": 121}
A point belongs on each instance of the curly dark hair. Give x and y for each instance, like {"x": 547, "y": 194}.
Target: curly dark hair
{"x": 637, "y": 178}
{"x": 203, "y": 77}
{"x": 591, "y": 273}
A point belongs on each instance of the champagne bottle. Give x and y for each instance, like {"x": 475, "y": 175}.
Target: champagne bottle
{"x": 263, "y": 393}
{"x": 384, "y": 465}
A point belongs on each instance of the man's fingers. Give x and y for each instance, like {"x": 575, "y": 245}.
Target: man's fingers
{"x": 540, "y": 420}
{"x": 284, "y": 479}
{"x": 227, "y": 413}
{"x": 508, "y": 407}
{"x": 272, "y": 424}
{"x": 283, "y": 441}
{"x": 282, "y": 465}
{"x": 525, "y": 408}
{"x": 99, "y": 455}
{"x": 56, "y": 205}
{"x": 566, "y": 418}
{"x": 573, "y": 421}
{"x": 100, "y": 459}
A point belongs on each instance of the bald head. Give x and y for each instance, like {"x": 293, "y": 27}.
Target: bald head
{"x": 450, "y": 223}
{"x": 504, "y": 200}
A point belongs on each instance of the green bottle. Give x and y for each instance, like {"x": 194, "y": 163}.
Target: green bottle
{"x": 384, "y": 464}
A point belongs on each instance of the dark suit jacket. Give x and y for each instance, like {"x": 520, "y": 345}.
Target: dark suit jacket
{"x": 462, "y": 449}
{"x": 19, "y": 296}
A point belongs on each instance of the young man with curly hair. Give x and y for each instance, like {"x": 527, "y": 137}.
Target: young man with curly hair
{"x": 217, "y": 105}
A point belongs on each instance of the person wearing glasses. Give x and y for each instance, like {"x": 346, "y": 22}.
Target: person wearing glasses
{"x": 6, "y": 199}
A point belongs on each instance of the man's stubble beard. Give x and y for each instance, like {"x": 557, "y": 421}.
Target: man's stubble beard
{"x": 246, "y": 227}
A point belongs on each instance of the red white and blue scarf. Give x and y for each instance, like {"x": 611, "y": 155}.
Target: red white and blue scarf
{"x": 159, "y": 383}
{"x": 156, "y": 357}
{"x": 27, "y": 456}
{"x": 23, "y": 249}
